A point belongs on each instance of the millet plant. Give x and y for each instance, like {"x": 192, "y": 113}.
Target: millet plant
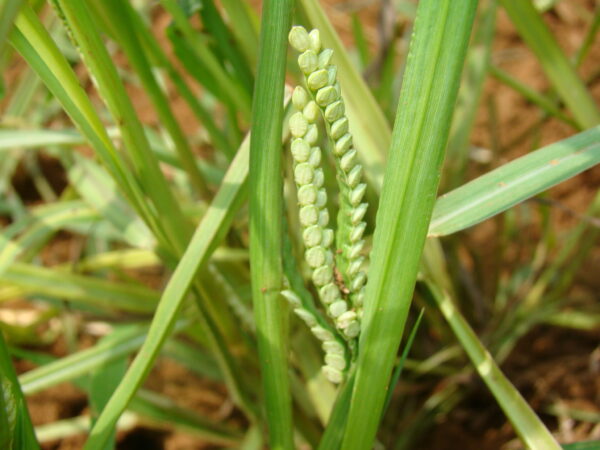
{"x": 291, "y": 252}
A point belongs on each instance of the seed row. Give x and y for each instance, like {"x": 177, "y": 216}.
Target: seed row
{"x": 321, "y": 79}
{"x": 335, "y": 351}
{"x": 314, "y": 216}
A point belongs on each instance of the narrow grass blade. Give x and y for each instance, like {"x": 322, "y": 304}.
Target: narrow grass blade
{"x": 514, "y": 182}
{"x": 99, "y": 190}
{"x": 557, "y": 67}
{"x": 266, "y": 221}
{"x": 43, "y": 56}
{"x": 78, "y": 20}
{"x": 79, "y": 425}
{"x": 402, "y": 360}
{"x": 91, "y": 291}
{"x": 8, "y": 11}
{"x": 334, "y": 433}
{"x": 160, "y": 59}
{"x": 429, "y": 90}
{"x": 243, "y": 27}
{"x": 230, "y": 88}
{"x": 527, "y": 424}
{"x": 81, "y": 363}
{"x": 16, "y": 430}
{"x": 545, "y": 103}
{"x": 212, "y": 20}
{"x": 157, "y": 409}
{"x": 102, "y": 380}
{"x": 208, "y": 234}
{"x": 11, "y": 139}
{"x": 590, "y": 37}
{"x": 469, "y": 96}
{"x": 118, "y": 20}
{"x": 36, "y": 229}
{"x": 360, "y": 41}
{"x": 586, "y": 445}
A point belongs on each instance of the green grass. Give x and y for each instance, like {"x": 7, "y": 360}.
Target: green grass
{"x": 213, "y": 213}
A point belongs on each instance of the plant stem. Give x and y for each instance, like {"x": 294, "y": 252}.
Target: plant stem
{"x": 266, "y": 226}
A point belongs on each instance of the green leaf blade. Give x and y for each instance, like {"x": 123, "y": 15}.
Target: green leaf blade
{"x": 429, "y": 90}
{"x": 514, "y": 182}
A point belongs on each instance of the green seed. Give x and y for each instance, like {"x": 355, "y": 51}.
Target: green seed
{"x": 357, "y": 194}
{"x": 333, "y": 375}
{"x": 321, "y": 198}
{"x": 327, "y": 237}
{"x": 315, "y": 40}
{"x": 298, "y": 125}
{"x": 339, "y": 128}
{"x": 312, "y": 134}
{"x": 331, "y": 75}
{"x": 291, "y": 297}
{"x": 319, "y": 178}
{"x": 299, "y": 98}
{"x": 325, "y": 58}
{"x": 306, "y": 317}
{"x": 315, "y": 157}
{"x": 315, "y": 257}
{"x": 308, "y": 215}
{"x": 311, "y": 112}
{"x": 355, "y": 249}
{"x": 346, "y": 319}
{"x": 321, "y": 333}
{"x": 355, "y": 175}
{"x": 333, "y": 348}
{"x": 352, "y": 330}
{"x": 323, "y": 275}
{"x": 318, "y": 79}
{"x": 300, "y": 150}
{"x": 308, "y": 62}
{"x": 336, "y": 309}
{"x": 312, "y": 236}
{"x": 358, "y": 281}
{"x": 307, "y": 195}
{"x": 299, "y": 38}
{"x": 323, "y": 218}
{"x": 348, "y": 161}
{"x": 329, "y": 293}
{"x": 327, "y": 95}
{"x": 342, "y": 145}
{"x": 334, "y": 111}
{"x": 304, "y": 174}
{"x": 358, "y": 213}
{"x": 355, "y": 266}
{"x": 335, "y": 361}
{"x": 356, "y": 233}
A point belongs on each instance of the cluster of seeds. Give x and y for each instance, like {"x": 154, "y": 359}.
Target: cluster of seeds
{"x": 314, "y": 216}
{"x": 335, "y": 351}
{"x": 321, "y": 80}
{"x": 340, "y": 280}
